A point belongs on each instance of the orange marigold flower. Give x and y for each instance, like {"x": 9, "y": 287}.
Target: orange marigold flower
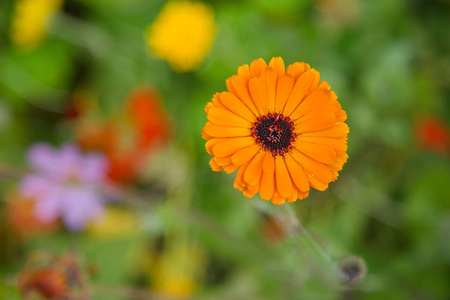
{"x": 281, "y": 127}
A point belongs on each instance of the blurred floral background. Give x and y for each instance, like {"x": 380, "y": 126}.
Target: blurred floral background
{"x": 106, "y": 98}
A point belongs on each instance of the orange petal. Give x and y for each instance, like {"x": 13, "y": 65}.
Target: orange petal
{"x": 205, "y": 136}
{"x": 314, "y": 100}
{"x": 318, "y": 152}
{"x": 257, "y": 67}
{"x": 235, "y": 105}
{"x": 240, "y": 174}
{"x": 208, "y": 106}
{"x": 258, "y": 90}
{"x": 302, "y": 195}
{"x": 269, "y": 164}
{"x": 224, "y": 117}
{"x": 284, "y": 88}
{"x": 211, "y": 143}
{"x": 222, "y": 161}
{"x": 244, "y": 155}
{"x": 324, "y": 85}
{"x": 240, "y": 86}
{"x": 253, "y": 189}
{"x": 318, "y": 185}
{"x": 301, "y": 87}
{"x": 313, "y": 167}
{"x": 214, "y": 165}
{"x": 283, "y": 180}
{"x": 277, "y": 64}
{"x": 267, "y": 185}
{"x": 297, "y": 69}
{"x": 247, "y": 193}
{"x": 338, "y": 130}
{"x": 237, "y": 185}
{"x": 231, "y": 146}
{"x": 221, "y": 131}
{"x": 315, "y": 121}
{"x": 278, "y": 200}
{"x": 297, "y": 173}
{"x": 253, "y": 173}
{"x": 231, "y": 168}
{"x": 244, "y": 71}
{"x": 270, "y": 78}
{"x": 294, "y": 195}
{"x": 334, "y": 143}
{"x": 216, "y": 101}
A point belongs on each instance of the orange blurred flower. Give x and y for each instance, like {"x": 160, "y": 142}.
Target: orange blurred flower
{"x": 129, "y": 138}
{"x": 281, "y": 127}
{"x": 433, "y": 134}
{"x": 22, "y": 218}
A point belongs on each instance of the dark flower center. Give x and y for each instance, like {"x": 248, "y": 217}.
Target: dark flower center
{"x": 275, "y": 133}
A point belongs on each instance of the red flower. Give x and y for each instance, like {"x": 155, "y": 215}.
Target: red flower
{"x": 128, "y": 139}
{"x": 433, "y": 134}
{"x": 148, "y": 117}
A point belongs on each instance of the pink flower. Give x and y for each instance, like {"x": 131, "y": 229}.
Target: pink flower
{"x": 66, "y": 184}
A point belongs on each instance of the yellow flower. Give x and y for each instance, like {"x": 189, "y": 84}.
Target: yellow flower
{"x": 182, "y": 34}
{"x": 114, "y": 223}
{"x": 281, "y": 127}
{"x": 30, "y": 20}
{"x": 177, "y": 270}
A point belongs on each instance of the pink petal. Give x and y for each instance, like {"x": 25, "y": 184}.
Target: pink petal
{"x": 80, "y": 207}
{"x": 48, "y": 208}
{"x": 95, "y": 167}
{"x": 43, "y": 158}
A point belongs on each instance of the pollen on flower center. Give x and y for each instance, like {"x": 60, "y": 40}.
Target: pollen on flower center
{"x": 275, "y": 133}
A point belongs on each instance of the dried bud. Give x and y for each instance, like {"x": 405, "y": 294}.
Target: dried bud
{"x": 52, "y": 277}
{"x": 352, "y": 270}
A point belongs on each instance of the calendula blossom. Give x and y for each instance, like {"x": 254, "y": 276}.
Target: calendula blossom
{"x": 30, "y": 20}
{"x": 281, "y": 128}
{"x": 182, "y": 34}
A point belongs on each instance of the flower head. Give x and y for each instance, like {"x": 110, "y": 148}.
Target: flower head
{"x": 282, "y": 128}
{"x": 182, "y": 34}
{"x": 30, "y": 20}
{"x": 66, "y": 184}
